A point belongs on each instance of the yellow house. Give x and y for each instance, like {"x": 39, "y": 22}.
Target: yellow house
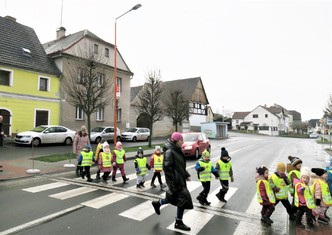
{"x": 29, "y": 80}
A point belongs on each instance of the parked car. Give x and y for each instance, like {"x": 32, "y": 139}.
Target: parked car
{"x": 46, "y": 134}
{"x": 106, "y": 132}
{"x": 313, "y": 135}
{"x": 135, "y": 134}
{"x": 194, "y": 144}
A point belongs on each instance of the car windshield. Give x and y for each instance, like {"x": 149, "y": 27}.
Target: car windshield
{"x": 132, "y": 130}
{"x": 39, "y": 129}
{"x": 189, "y": 137}
{"x": 98, "y": 129}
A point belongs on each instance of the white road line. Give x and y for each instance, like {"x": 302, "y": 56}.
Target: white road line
{"x": 105, "y": 200}
{"x": 196, "y": 220}
{"x": 40, "y": 220}
{"x": 72, "y": 193}
{"x": 45, "y": 187}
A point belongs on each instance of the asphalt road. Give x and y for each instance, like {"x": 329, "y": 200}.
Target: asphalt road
{"x": 74, "y": 206}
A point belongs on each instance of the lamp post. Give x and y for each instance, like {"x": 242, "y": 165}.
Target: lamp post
{"x": 114, "y": 77}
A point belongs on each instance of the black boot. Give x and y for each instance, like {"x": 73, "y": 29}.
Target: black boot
{"x": 124, "y": 179}
{"x": 113, "y": 178}
{"x": 77, "y": 171}
{"x": 206, "y": 201}
{"x": 142, "y": 184}
{"x": 156, "y": 205}
{"x": 180, "y": 225}
{"x": 98, "y": 176}
{"x": 200, "y": 199}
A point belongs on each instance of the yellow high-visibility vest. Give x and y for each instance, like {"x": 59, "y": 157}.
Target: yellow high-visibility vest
{"x": 309, "y": 199}
{"x": 268, "y": 189}
{"x": 205, "y": 175}
{"x": 326, "y": 195}
{"x": 119, "y": 156}
{"x": 86, "y": 158}
{"x": 106, "y": 157}
{"x": 158, "y": 162}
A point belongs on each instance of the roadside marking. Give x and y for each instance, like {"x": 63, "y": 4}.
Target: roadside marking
{"x": 196, "y": 221}
{"x": 42, "y": 220}
{"x": 72, "y": 193}
{"x": 105, "y": 200}
{"x": 45, "y": 187}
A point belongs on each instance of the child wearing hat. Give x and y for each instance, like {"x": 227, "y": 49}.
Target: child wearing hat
{"x": 322, "y": 195}
{"x": 118, "y": 161}
{"x": 86, "y": 159}
{"x": 294, "y": 176}
{"x": 265, "y": 195}
{"x": 204, "y": 169}
{"x": 99, "y": 149}
{"x": 304, "y": 200}
{"x": 141, "y": 167}
{"x": 280, "y": 185}
{"x": 104, "y": 161}
{"x": 225, "y": 171}
{"x": 156, "y": 162}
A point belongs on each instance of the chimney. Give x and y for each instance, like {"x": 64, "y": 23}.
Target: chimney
{"x": 60, "y": 33}
{"x": 10, "y": 18}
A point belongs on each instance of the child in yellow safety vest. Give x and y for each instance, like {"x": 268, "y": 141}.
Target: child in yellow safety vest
{"x": 225, "y": 171}
{"x": 99, "y": 149}
{"x": 141, "y": 167}
{"x": 294, "y": 172}
{"x": 304, "y": 200}
{"x": 105, "y": 162}
{"x": 156, "y": 162}
{"x": 204, "y": 169}
{"x": 86, "y": 159}
{"x": 322, "y": 195}
{"x": 265, "y": 195}
{"x": 280, "y": 185}
{"x": 118, "y": 161}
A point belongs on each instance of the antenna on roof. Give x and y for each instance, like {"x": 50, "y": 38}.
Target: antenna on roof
{"x": 61, "y": 13}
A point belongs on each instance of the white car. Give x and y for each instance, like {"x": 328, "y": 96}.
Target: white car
{"x": 104, "y": 132}
{"x": 313, "y": 135}
{"x": 46, "y": 134}
{"x": 136, "y": 133}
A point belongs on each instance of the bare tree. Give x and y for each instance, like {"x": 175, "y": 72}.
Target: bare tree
{"x": 176, "y": 107}
{"x": 87, "y": 88}
{"x": 328, "y": 108}
{"x": 149, "y": 100}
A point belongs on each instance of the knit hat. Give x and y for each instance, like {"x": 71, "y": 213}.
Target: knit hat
{"x": 157, "y": 149}
{"x": 105, "y": 145}
{"x": 140, "y": 150}
{"x": 224, "y": 152}
{"x": 206, "y": 153}
{"x": 294, "y": 160}
{"x": 281, "y": 167}
{"x": 261, "y": 170}
{"x": 305, "y": 171}
{"x": 176, "y": 136}
{"x": 118, "y": 145}
{"x": 318, "y": 171}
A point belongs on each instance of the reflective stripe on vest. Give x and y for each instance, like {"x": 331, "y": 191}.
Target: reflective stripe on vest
{"x": 106, "y": 157}
{"x": 86, "y": 158}
{"x": 119, "y": 156}
{"x": 205, "y": 175}
{"x": 268, "y": 189}
{"x": 307, "y": 196}
{"x": 158, "y": 162}
{"x": 141, "y": 163}
{"x": 224, "y": 170}
{"x": 283, "y": 189}
{"x": 326, "y": 195}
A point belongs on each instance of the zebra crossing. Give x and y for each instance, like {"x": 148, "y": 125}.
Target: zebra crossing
{"x": 140, "y": 212}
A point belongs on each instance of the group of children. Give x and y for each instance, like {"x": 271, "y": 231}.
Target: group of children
{"x": 311, "y": 199}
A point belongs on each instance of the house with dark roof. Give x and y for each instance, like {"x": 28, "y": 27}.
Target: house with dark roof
{"x": 192, "y": 90}
{"x": 70, "y": 52}
{"x": 29, "y": 79}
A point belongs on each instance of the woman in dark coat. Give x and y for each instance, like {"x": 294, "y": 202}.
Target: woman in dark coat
{"x": 176, "y": 176}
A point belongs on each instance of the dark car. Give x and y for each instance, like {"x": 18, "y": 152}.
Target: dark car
{"x": 194, "y": 144}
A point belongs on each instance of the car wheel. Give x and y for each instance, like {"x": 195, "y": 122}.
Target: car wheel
{"x": 68, "y": 141}
{"x": 35, "y": 142}
{"x": 197, "y": 154}
{"x": 98, "y": 139}
{"x": 134, "y": 139}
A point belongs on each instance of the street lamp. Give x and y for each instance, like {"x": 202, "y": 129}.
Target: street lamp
{"x": 114, "y": 77}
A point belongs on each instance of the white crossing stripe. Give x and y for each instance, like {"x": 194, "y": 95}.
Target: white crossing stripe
{"x": 145, "y": 209}
{"x": 196, "y": 220}
{"x": 72, "y": 193}
{"x": 45, "y": 187}
{"x": 104, "y": 200}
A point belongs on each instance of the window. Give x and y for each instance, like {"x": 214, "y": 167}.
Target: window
{"x": 107, "y": 52}
{"x": 197, "y": 108}
{"x": 266, "y": 115}
{"x": 101, "y": 79}
{"x": 255, "y": 116}
{"x": 6, "y": 77}
{"x": 100, "y": 114}
{"x": 95, "y": 48}
{"x": 42, "y": 117}
{"x": 44, "y": 84}
{"x": 119, "y": 83}
{"x": 118, "y": 115}
{"x": 79, "y": 113}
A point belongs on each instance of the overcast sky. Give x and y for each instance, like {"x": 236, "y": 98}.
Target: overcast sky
{"x": 248, "y": 53}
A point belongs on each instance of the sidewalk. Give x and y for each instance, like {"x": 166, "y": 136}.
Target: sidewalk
{"x": 15, "y": 169}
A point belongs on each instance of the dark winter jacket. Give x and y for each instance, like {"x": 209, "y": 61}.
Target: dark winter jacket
{"x": 176, "y": 175}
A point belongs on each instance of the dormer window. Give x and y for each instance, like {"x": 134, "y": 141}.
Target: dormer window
{"x": 26, "y": 52}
